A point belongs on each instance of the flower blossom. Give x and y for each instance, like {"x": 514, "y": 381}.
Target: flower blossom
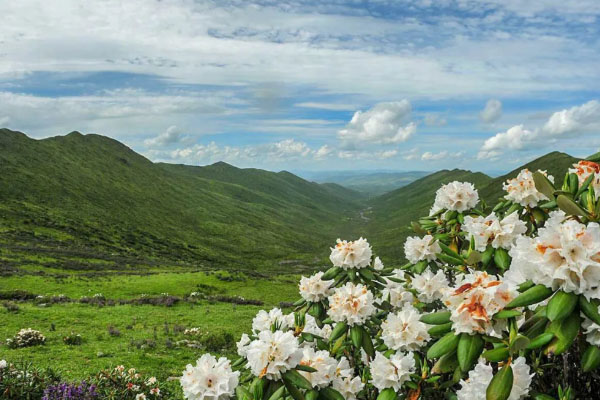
{"x": 430, "y": 286}
{"x": 491, "y": 230}
{"x": 418, "y": 249}
{"x": 314, "y": 288}
{"x": 351, "y": 303}
{"x": 522, "y": 190}
{"x": 455, "y": 196}
{"x": 584, "y": 169}
{"x": 391, "y": 372}
{"x": 209, "y": 379}
{"x": 349, "y": 255}
{"x": 404, "y": 330}
{"x": 273, "y": 353}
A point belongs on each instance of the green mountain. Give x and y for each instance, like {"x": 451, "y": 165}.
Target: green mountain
{"x": 89, "y": 195}
{"x": 372, "y": 184}
{"x": 390, "y": 215}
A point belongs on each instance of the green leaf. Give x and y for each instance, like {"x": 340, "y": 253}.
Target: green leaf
{"x": 591, "y": 359}
{"x": 573, "y": 183}
{"x": 367, "y": 344}
{"x": 505, "y": 314}
{"x": 329, "y": 393}
{"x": 305, "y": 368}
{"x": 561, "y": 305}
{"x": 590, "y": 308}
{"x": 487, "y": 255}
{"x": 311, "y": 395}
{"x": 295, "y": 378}
{"x": 519, "y": 343}
{"x": 387, "y": 394}
{"x": 242, "y": 393}
{"x": 543, "y": 184}
{"x": 497, "y": 354}
{"x": 565, "y": 332}
{"x": 541, "y": 396}
{"x": 277, "y": 394}
{"x": 449, "y": 251}
{"x": 540, "y": 340}
{"x": 443, "y": 346}
{"x": 585, "y": 185}
{"x": 338, "y": 331}
{"x": 440, "y": 330}
{"x": 331, "y": 273}
{"x": 293, "y": 391}
{"x": 436, "y": 318}
{"x": 569, "y": 206}
{"x": 531, "y": 296}
{"x": 501, "y": 384}
{"x": 501, "y": 258}
{"x": 468, "y": 351}
{"x": 356, "y": 336}
{"x": 420, "y": 266}
{"x": 447, "y": 363}
{"x": 450, "y": 260}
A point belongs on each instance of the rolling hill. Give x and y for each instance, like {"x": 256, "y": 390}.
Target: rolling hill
{"x": 89, "y": 194}
{"x": 390, "y": 215}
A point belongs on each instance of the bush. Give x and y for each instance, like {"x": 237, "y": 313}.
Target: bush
{"x": 122, "y": 384}
{"x": 73, "y": 339}
{"x": 11, "y": 307}
{"x": 26, "y": 338}
{"x": 23, "y": 381}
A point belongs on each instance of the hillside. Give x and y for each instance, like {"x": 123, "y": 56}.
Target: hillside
{"x": 390, "y": 215}
{"x": 89, "y": 195}
{"x": 372, "y": 184}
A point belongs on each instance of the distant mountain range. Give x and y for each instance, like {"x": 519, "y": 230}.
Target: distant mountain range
{"x": 77, "y": 196}
{"x": 371, "y": 183}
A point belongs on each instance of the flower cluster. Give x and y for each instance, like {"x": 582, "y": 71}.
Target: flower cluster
{"x": 475, "y": 299}
{"x": 565, "y": 255}
{"x": 404, "y": 330}
{"x": 349, "y": 255}
{"x": 474, "y": 388}
{"x": 25, "y": 338}
{"x": 69, "y": 391}
{"x": 418, "y": 249}
{"x": 209, "y": 379}
{"x": 314, "y": 288}
{"x": 351, "y": 304}
{"x": 583, "y": 169}
{"x": 455, "y": 196}
{"x": 522, "y": 190}
{"x": 491, "y": 230}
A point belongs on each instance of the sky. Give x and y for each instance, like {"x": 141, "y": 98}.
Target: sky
{"x": 309, "y": 85}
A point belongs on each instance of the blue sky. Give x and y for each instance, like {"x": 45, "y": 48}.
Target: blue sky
{"x": 306, "y": 85}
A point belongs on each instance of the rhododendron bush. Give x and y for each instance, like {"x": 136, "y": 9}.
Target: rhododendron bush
{"x": 494, "y": 303}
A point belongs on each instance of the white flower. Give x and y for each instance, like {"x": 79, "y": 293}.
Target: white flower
{"x": 521, "y": 379}
{"x": 351, "y": 303}
{"x": 242, "y": 345}
{"x": 348, "y": 386}
{"x": 404, "y": 331}
{"x": 209, "y": 379}
{"x": 273, "y": 353}
{"x": 392, "y": 372}
{"x": 140, "y": 396}
{"x": 491, "y": 230}
{"x": 378, "y": 264}
{"x": 310, "y": 326}
{"x": 155, "y": 391}
{"x": 584, "y": 169}
{"x": 314, "y": 288}
{"x": 475, "y": 386}
{"x": 264, "y": 320}
{"x": 417, "y": 249}
{"x": 591, "y": 331}
{"x": 522, "y": 190}
{"x": 430, "y": 286}
{"x": 395, "y": 293}
{"x": 455, "y": 196}
{"x": 3, "y": 364}
{"x": 475, "y": 299}
{"x": 348, "y": 255}
{"x": 151, "y": 380}
{"x": 324, "y": 364}
{"x": 565, "y": 255}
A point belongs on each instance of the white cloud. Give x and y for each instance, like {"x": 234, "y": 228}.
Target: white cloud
{"x": 576, "y": 119}
{"x": 388, "y": 154}
{"x": 492, "y": 111}
{"x": 444, "y": 154}
{"x": 572, "y": 122}
{"x": 170, "y": 136}
{"x": 412, "y": 154}
{"x": 327, "y": 106}
{"x": 323, "y": 152}
{"x": 382, "y": 124}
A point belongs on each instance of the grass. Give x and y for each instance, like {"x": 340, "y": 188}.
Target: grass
{"x": 138, "y": 324}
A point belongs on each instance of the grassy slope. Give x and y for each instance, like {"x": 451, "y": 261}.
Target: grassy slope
{"x": 89, "y": 191}
{"x": 374, "y": 184}
{"x": 392, "y": 213}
